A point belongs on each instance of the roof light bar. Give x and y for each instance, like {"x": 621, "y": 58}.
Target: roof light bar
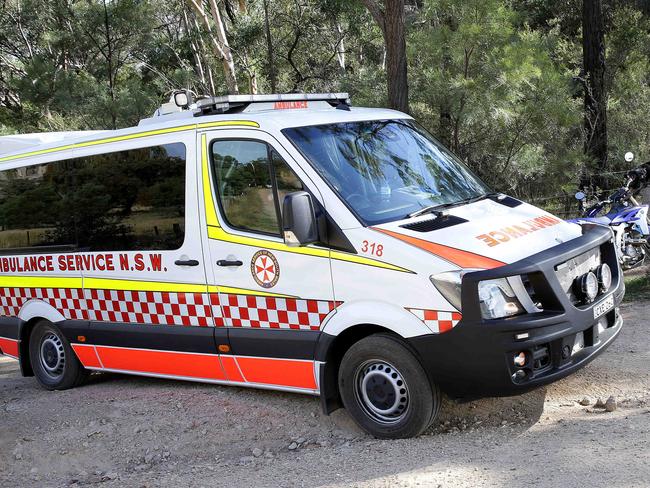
{"x": 254, "y": 103}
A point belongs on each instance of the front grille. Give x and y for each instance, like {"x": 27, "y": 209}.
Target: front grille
{"x": 568, "y": 271}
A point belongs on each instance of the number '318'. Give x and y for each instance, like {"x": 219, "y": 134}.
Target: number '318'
{"x": 372, "y": 248}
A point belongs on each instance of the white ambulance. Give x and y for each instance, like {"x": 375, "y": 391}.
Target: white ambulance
{"x": 297, "y": 243}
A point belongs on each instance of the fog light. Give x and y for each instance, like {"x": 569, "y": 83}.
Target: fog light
{"x": 602, "y": 325}
{"x": 520, "y": 360}
{"x": 604, "y": 275}
{"x": 589, "y": 286}
{"x": 519, "y": 375}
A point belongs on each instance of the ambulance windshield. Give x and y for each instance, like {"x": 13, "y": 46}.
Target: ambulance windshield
{"x": 386, "y": 169}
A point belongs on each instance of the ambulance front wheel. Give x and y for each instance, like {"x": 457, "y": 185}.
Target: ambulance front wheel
{"x": 385, "y": 388}
{"x": 53, "y": 361}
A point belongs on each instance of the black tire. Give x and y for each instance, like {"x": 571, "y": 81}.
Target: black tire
{"x": 385, "y": 389}
{"x": 55, "y": 364}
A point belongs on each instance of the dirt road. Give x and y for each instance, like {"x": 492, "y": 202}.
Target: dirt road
{"x": 126, "y": 431}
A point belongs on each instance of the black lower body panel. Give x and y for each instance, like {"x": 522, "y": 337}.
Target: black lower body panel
{"x": 473, "y": 362}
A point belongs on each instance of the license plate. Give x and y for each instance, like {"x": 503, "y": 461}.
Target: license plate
{"x": 603, "y": 307}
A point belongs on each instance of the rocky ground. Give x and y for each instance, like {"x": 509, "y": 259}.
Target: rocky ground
{"x": 126, "y": 431}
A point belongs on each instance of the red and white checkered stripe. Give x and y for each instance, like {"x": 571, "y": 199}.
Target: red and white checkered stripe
{"x": 274, "y": 313}
{"x": 436, "y": 320}
{"x": 69, "y": 302}
{"x": 138, "y": 307}
{"x": 164, "y": 308}
{"x": 150, "y": 307}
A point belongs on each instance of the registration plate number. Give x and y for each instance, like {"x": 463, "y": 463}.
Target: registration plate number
{"x": 603, "y": 307}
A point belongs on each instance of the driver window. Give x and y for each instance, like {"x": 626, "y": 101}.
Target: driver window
{"x": 245, "y": 190}
{"x": 252, "y": 180}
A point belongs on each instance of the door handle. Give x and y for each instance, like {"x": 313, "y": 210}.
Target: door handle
{"x": 186, "y": 262}
{"x": 225, "y": 262}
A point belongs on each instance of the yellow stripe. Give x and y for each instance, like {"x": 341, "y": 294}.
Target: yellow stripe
{"x": 138, "y": 135}
{"x": 243, "y": 291}
{"x": 127, "y": 285}
{"x": 210, "y": 212}
{"x": 37, "y": 153}
{"x": 217, "y": 233}
{"x": 225, "y": 123}
{"x": 39, "y": 282}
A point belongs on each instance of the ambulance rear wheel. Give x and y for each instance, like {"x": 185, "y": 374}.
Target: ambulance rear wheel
{"x": 385, "y": 388}
{"x": 55, "y": 365}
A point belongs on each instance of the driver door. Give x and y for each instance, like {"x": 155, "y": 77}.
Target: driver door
{"x": 273, "y": 298}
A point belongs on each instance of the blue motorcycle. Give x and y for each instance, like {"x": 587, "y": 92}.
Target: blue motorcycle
{"x": 625, "y": 216}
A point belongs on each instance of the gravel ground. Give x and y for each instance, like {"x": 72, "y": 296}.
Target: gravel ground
{"x": 127, "y": 431}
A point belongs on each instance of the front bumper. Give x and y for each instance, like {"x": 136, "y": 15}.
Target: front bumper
{"x": 476, "y": 358}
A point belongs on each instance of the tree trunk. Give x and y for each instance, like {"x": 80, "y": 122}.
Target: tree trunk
{"x": 269, "y": 47}
{"x": 228, "y": 62}
{"x": 398, "y": 90}
{"x": 391, "y": 20}
{"x": 340, "y": 47}
{"x": 219, "y": 41}
{"x": 195, "y": 51}
{"x": 593, "y": 48}
{"x": 109, "y": 66}
{"x": 446, "y": 125}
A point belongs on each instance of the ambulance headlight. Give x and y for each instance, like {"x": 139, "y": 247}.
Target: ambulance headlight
{"x": 449, "y": 285}
{"x": 498, "y": 300}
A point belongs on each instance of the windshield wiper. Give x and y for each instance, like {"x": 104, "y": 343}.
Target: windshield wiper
{"x": 426, "y": 210}
{"x": 479, "y": 198}
{"x": 435, "y": 209}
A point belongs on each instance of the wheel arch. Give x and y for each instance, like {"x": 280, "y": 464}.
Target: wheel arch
{"x": 329, "y": 353}
{"x": 32, "y": 312}
{"x": 352, "y": 322}
{"x": 24, "y": 335}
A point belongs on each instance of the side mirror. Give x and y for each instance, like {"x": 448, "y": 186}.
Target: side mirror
{"x": 580, "y": 196}
{"x": 629, "y": 157}
{"x": 299, "y": 219}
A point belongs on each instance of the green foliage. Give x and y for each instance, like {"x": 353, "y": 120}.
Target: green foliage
{"x": 496, "y": 80}
{"x": 637, "y": 287}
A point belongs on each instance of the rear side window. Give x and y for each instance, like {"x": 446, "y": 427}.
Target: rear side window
{"x": 128, "y": 200}
{"x": 252, "y": 181}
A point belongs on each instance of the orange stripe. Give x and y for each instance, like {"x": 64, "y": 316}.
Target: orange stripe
{"x": 86, "y": 355}
{"x": 230, "y": 368}
{"x": 9, "y": 347}
{"x": 464, "y": 259}
{"x": 162, "y": 362}
{"x": 280, "y": 372}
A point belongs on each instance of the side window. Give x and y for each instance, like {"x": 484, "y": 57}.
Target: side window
{"x": 244, "y": 185}
{"x": 252, "y": 181}
{"x": 128, "y": 200}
